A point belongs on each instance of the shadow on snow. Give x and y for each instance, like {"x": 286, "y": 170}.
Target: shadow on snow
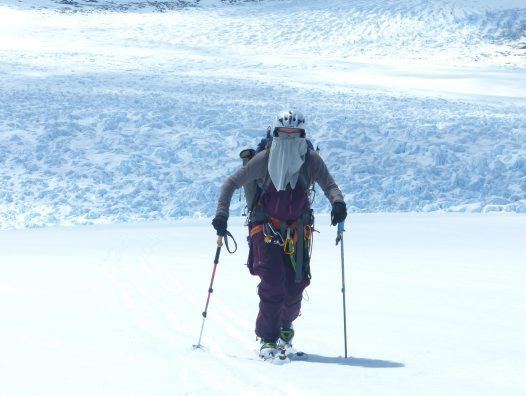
{"x": 353, "y": 361}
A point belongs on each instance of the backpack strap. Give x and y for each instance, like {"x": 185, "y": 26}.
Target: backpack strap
{"x": 257, "y": 214}
{"x": 304, "y": 176}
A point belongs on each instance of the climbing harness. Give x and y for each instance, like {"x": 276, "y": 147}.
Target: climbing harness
{"x": 295, "y": 238}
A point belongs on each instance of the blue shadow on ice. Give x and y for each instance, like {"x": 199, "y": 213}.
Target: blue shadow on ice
{"x": 352, "y": 361}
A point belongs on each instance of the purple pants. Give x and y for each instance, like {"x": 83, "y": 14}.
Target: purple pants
{"x": 279, "y": 295}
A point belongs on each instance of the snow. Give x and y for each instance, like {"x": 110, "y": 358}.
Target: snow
{"x": 435, "y": 306}
{"x": 116, "y": 112}
{"x": 135, "y": 112}
{"x": 120, "y": 111}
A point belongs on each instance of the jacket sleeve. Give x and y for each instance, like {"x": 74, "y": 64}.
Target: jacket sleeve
{"x": 320, "y": 174}
{"x": 255, "y": 169}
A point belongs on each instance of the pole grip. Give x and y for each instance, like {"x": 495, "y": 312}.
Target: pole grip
{"x": 339, "y": 233}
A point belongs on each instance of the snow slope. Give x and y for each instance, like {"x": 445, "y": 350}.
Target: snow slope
{"x": 436, "y": 305}
{"x": 111, "y": 116}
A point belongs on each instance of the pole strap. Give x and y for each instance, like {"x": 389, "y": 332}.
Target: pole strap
{"x": 229, "y": 235}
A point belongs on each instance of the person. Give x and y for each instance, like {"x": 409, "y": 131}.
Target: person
{"x": 281, "y": 224}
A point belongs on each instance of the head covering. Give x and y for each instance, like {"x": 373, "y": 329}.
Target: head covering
{"x": 287, "y": 155}
{"x": 289, "y": 119}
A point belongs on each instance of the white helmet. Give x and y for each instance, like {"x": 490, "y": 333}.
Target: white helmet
{"x": 289, "y": 119}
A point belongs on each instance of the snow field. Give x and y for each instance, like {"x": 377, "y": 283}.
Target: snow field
{"x": 435, "y": 306}
{"x": 131, "y": 116}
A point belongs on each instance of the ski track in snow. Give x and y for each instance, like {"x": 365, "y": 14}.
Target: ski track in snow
{"x": 140, "y": 115}
{"x": 154, "y": 315}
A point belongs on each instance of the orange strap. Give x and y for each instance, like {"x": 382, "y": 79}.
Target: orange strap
{"x": 275, "y": 222}
{"x": 256, "y": 229}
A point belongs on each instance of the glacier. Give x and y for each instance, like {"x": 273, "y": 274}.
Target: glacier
{"x": 111, "y": 114}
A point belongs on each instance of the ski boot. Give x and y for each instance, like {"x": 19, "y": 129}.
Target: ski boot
{"x": 286, "y": 335}
{"x": 268, "y": 350}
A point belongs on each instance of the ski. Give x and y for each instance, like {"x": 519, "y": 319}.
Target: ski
{"x": 280, "y": 358}
{"x": 292, "y": 353}
{"x": 286, "y": 354}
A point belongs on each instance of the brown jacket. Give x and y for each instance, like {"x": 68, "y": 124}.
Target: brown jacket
{"x": 256, "y": 169}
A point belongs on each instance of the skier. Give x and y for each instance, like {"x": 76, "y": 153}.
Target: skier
{"x": 281, "y": 225}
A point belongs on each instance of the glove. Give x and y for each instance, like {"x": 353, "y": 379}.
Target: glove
{"x": 219, "y": 223}
{"x": 338, "y": 212}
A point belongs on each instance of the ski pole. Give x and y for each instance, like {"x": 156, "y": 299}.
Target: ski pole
{"x": 210, "y": 288}
{"x": 339, "y": 238}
